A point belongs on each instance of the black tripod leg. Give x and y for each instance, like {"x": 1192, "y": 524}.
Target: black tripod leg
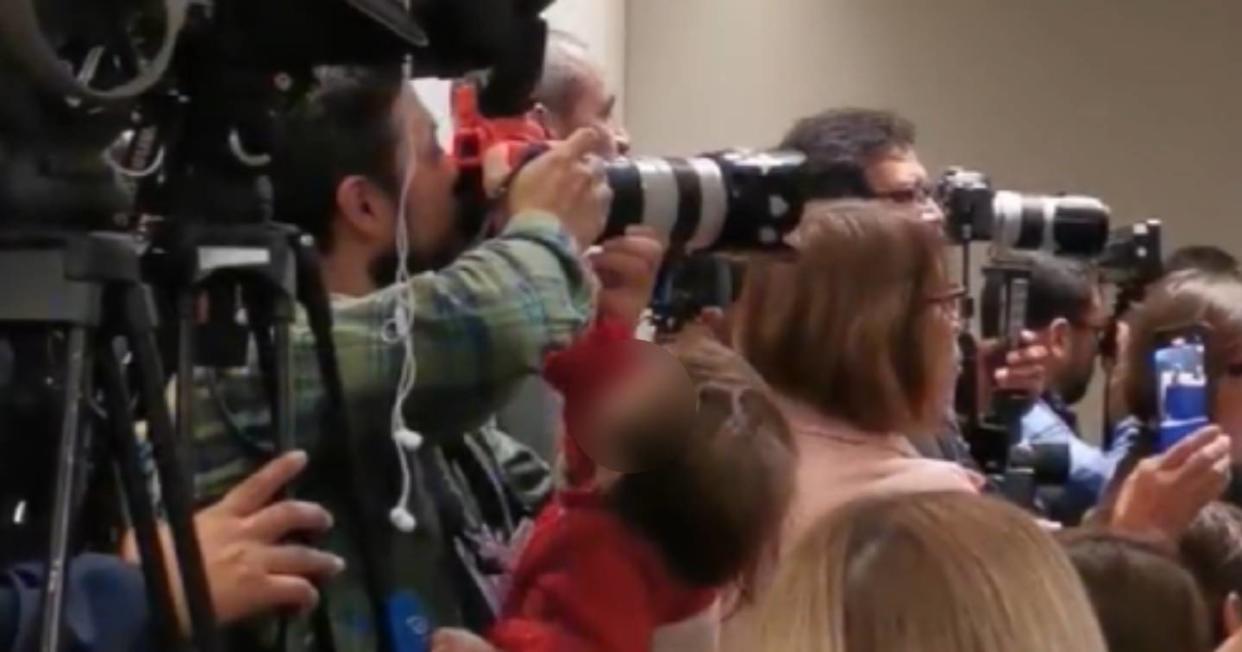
{"x": 73, "y": 440}
{"x": 169, "y": 453}
{"x": 187, "y": 322}
{"x": 283, "y": 424}
{"x": 259, "y": 314}
{"x": 313, "y": 295}
{"x": 282, "y": 345}
{"x": 142, "y": 512}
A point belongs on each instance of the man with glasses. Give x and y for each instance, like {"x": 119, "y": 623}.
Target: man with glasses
{"x": 855, "y": 153}
{"x": 1066, "y": 311}
{"x": 864, "y": 154}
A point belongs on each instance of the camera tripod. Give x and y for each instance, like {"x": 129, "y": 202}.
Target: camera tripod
{"x": 83, "y": 292}
{"x": 266, "y": 269}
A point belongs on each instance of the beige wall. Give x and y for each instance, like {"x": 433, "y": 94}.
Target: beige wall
{"x": 1138, "y": 101}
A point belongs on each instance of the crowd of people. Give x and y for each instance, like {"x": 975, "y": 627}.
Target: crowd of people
{"x": 785, "y": 474}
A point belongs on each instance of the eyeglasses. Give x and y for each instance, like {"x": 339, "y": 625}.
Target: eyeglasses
{"x": 948, "y": 301}
{"x": 1099, "y": 330}
{"x": 920, "y": 194}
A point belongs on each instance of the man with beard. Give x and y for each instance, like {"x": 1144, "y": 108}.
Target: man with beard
{"x": 1066, "y": 311}
{"x": 358, "y": 167}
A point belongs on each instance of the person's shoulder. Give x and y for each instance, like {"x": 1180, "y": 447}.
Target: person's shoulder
{"x": 918, "y": 475}
{"x": 1042, "y": 422}
{"x": 584, "y": 526}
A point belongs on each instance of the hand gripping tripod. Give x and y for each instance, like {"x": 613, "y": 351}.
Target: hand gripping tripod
{"x": 79, "y": 297}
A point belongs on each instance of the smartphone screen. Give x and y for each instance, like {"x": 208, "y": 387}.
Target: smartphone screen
{"x": 1182, "y": 387}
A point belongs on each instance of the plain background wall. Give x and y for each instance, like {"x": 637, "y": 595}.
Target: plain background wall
{"x": 1136, "y": 101}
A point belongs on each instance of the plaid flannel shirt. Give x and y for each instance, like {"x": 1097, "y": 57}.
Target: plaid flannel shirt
{"x": 480, "y": 326}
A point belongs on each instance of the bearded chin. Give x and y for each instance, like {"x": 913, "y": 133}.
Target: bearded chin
{"x": 1077, "y": 390}
{"x": 383, "y": 269}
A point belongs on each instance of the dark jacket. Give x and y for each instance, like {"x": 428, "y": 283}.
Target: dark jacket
{"x": 105, "y": 606}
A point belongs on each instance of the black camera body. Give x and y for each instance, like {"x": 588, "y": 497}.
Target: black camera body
{"x": 1134, "y": 255}
{"x": 210, "y": 78}
{"x": 188, "y": 92}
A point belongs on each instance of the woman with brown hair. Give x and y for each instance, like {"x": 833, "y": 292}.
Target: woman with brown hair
{"x": 937, "y": 572}
{"x": 1183, "y": 299}
{"x": 855, "y": 333}
{"x": 1211, "y": 550}
{"x": 857, "y": 336}
{"x": 1145, "y": 600}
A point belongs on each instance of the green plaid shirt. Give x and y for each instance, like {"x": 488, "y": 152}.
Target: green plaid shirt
{"x": 480, "y": 326}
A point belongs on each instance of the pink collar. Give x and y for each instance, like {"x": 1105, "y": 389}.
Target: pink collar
{"x": 806, "y": 420}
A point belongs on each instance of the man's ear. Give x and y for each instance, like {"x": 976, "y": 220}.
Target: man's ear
{"x": 1060, "y": 333}
{"x": 544, "y": 117}
{"x": 365, "y": 211}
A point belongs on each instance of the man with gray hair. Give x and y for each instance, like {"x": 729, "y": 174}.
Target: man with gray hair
{"x": 573, "y": 93}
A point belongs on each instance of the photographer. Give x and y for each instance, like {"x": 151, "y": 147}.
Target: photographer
{"x": 357, "y": 164}
{"x": 572, "y": 94}
{"x": 869, "y": 154}
{"x": 863, "y": 154}
{"x": 1066, "y": 311}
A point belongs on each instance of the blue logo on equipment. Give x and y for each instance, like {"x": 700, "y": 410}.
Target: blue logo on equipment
{"x": 408, "y": 621}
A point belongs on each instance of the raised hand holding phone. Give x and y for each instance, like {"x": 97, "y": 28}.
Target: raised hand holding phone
{"x": 1183, "y": 392}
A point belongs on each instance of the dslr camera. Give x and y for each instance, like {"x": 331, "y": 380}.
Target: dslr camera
{"x": 1072, "y": 225}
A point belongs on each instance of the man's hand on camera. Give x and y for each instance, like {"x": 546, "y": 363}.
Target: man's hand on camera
{"x": 627, "y": 267}
{"x": 1025, "y": 368}
{"x": 249, "y": 569}
{"x": 568, "y": 181}
{"x": 1164, "y": 493}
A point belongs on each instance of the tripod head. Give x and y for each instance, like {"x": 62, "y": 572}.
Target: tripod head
{"x": 187, "y": 93}
{"x": 209, "y": 77}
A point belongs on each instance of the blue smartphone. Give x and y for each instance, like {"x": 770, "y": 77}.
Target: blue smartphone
{"x": 1182, "y": 389}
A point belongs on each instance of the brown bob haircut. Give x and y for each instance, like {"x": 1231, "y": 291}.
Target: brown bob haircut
{"x": 1212, "y": 550}
{"x": 841, "y": 325}
{"x": 1185, "y": 298}
{"x": 1145, "y": 600}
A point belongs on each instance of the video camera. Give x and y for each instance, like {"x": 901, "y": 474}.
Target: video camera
{"x": 183, "y": 96}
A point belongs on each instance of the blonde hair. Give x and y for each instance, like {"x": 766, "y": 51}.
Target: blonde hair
{"x": 936, "y": 572}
